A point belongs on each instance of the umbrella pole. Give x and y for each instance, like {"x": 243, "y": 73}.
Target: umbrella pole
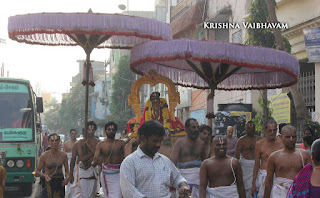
{"x": 210, "y": 106}
{"x": 88, "y": 64}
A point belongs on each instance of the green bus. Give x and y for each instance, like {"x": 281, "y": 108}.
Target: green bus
{"x": 20, "y": 132}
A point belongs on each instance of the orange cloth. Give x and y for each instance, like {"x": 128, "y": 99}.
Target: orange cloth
{"x": 2, "y": 179}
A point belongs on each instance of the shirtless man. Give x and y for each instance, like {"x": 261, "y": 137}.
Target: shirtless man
{"x": 131, "y": 146}
{"x": 112, "y": 153}
{"x": 232, "y": 141}
{"x": 245, "y": 154}
{"x": 67, "y": 147}
{"x": 205, "y": 136}
{"x": 53, "y": 160}
{"x": 285, "y": 164}
{"x": 221, "y": 173}
{"x": 166, "y": 149}
{"x": 84, "y": 149}
{"x": 188, "y": 154}
{"x": 263, "y": 150}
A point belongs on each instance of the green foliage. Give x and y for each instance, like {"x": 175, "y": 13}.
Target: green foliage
{"x": 257, "y": 120}
{"x": 262, "y": 37}
{"x": 121, "y": 88}
{"x": 70, "y": 113}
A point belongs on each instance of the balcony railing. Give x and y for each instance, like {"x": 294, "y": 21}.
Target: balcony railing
{"x": 181, "y": 7}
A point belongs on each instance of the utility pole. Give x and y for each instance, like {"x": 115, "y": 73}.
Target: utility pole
{"x": 2, "y": 67}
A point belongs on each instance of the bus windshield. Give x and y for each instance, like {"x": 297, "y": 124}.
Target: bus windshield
{"x": 16, "y": 113}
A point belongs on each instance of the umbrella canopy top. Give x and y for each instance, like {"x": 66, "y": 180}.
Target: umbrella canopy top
{"x": 214, "y": 64}
{"x": 62, "y": 28}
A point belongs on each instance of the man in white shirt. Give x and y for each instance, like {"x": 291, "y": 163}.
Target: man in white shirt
{"x": 147, "y": 173}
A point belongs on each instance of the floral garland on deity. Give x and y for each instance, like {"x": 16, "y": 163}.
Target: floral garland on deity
{"x": 164, "y": 117}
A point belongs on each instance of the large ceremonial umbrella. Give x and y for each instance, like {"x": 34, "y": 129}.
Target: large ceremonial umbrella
{"x": 89, "y": 30}
{"x": 216, "y": 65}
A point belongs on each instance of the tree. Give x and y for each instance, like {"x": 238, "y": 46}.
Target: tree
{"x": 264, "y": 38}
{"x": 301, "y": 109}
{"x": 121, "y": 88}
{"x": 70, "y": 113}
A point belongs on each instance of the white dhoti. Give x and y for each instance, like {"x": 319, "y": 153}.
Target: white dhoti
{"x": 110, "y": 180}
{"x": 69, "y": 155}
{"x": 281, "y": 187}
{"x": 223, "y": 192}
{"x": 87, "y": 184}
{"x": 247, "y": 172}
{"x": 192, "y": 175}
{"x": 260, "y": 182}
{"x": 75, "y": 189}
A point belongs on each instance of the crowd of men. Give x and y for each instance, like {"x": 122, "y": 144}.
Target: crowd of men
{"x": 197, "y": 165}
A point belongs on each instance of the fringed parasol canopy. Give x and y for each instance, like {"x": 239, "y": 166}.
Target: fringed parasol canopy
{"x": 216, "y": 65}
{"x": 88, "y": 30}
{"x": 79, "y": 28}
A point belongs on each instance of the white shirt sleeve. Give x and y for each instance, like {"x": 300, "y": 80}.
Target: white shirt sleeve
{"x": 127, "y": 180}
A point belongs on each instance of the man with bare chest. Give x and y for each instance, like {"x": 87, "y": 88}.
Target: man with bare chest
{"x": 131, "y": 146}
{"x": 263, "y": 150}
{"x": 205, "y": 136}
{"x": 166, "y": 149}
{"x": 245, "y": 154}
{"x": 67, "y": 148}
{"x": 53, "y": 160}
{"x": 221, "y": 173}
{"x": 112, "y": 153}
{"x": 188, "y": 154}
{"x": 84, "y": 149}
{"x": 285, "y": 164}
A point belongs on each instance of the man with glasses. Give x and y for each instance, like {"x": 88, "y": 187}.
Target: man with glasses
{"x": 67, "y": 147}
{"x": 85, "y": 184}
{"x": 112, "y": 153}
{"x": 53, "y": 161}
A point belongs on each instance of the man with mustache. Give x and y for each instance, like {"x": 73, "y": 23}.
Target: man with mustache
{"x": 147, "y": 173}
{"x": 263, "y": 150}
{"x": 84, "y": 183}
{"x": 245, "y": 154}
{"x": 112, "y": 153}
{"x": 221, "y": 173}
{"x": 285, "y": 164}
{"x": 188, "y": 154}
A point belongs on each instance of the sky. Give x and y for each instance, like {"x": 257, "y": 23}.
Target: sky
{"x": 51, "y": 67}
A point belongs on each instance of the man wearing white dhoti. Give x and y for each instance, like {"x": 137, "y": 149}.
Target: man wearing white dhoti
{"x": 88, "y": 182}
{"x": 192, "y": 175}
{"x": 263, "y": 150}
{"x": 111, "y": 153}
{"x": 67, "y": 147}
{"x": 221, "y": 175}
{"x": 285, "y": 164}
{"x": 110, "y": 180}
{"x": 84, "y": 149}
{"x": 188, "y": 153}
{"x": 245, "y": 154}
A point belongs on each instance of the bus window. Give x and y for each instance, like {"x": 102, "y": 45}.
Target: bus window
{"x": 16, "y": 115}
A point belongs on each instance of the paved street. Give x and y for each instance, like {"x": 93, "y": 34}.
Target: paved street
{"x": 35, "y": 192}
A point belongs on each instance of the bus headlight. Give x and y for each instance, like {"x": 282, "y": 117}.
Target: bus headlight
{"x": 10, "y": 163}
{"x": 19, "y": 163}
